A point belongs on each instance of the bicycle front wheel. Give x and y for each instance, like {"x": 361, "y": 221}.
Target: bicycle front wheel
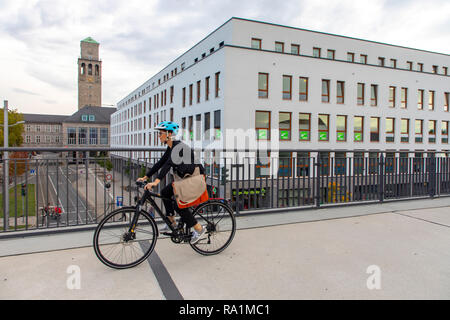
{"x": 218, "y": 218}
{"x": 116, "y": 248}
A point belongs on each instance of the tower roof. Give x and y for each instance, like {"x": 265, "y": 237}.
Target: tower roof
{"x": 90, "y": 40}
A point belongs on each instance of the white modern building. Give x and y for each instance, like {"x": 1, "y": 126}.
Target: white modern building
{"x": 296, "y": 89}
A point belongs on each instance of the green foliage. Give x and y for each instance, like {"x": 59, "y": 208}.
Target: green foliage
{"x": 15, "y": 138}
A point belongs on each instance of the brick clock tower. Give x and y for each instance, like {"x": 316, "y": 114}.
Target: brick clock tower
{"x": 89, "y": 74}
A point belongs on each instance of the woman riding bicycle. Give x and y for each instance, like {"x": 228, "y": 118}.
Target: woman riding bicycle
{"x": 173, "y": 158}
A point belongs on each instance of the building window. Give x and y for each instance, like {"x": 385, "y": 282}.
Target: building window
{"x": 444, "y": 131}
{"x": 358, "y": 128}
{"x": 420, "y": 67}
{"x": 363, "y": 59}
{"x": 207, "y": 88}
{"x": 404, "y": 98}
{"x": 287, "y": 87}
{"x": 295, "y": 49}
{"x": 285, "y": 169}
{"x": 191, "y": 128}
{"x": 171, "y": 96}
{"x": 393, "y": 63}
{"x": 263, "y": 85}
{"x": 256, "y": 43}
{"x": 446, "y": 100}
{"x": 360, "y": 94}
{"x": 381, "y": 61}
{"x": 316, "y": 52}
{"x": 435, "y": 69}
{"x": 390, "y": 129}
{"x": 217, "y": 126}
{"x": 38, "y": 139}
{"x": 279, "y": 46}
{"x": 325, "y": 90}
{"x": 432, "y": 131}
{"x": 330, "y": 54}
{"x": 191, "y": 88}
{"x": 303, "y": 94}
{"x": 420, "y": 99}
{"x": 351, "y": 57}
{"x": 84, "y": 118}
{"x": 82, "y": 135}
{"x": 340, "y": 92}
{"x": 28, "y": 139}
{"x": 198, "y": 127}
{"x": 404, "y": 130}
{"x": 184, "y": 97}
{"x": 198, "y": 91}
{"x": 431, "y": 101}
{"x": 445, "y": 71}
{"x": 284, "y": 125}
{"x": 217, "y": 88}
{"x": 418, "y": 130}
{"x": 304, "y": 125}
{"x": 373, "y": 95}
{"x": 341, "y": 128}
{"x": 183, "y": 127}
{"x": 324, "y": 127}
{"x": 262, "y": 125}
{"x": 207, "y": 126}
{"x": 409, "y": 65}
{"x": 71, "y": 136}
{"x": 93, "y": 135}
{"x": 374, "y": 129}
{"x": 91, "y": 118}
{"x": 303, "y": 164}
{"x": 392, "y": 97}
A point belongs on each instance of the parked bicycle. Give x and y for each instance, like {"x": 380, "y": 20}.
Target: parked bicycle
{"x": 127, "y": 236}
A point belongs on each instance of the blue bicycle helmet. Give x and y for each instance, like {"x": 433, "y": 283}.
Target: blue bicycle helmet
{"x": 168, "y": 126}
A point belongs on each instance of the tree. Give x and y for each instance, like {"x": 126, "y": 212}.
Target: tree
{"x": 15, "y": 137}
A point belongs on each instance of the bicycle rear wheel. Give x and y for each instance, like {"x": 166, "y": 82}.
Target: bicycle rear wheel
{"x": 118, "y": 249}
{"x": 218, "y": 218}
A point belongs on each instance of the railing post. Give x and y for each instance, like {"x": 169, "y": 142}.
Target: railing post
{"x": 381, "y": 178}
{"x": 431, "y": 175}
{"x": 317, "y": 180}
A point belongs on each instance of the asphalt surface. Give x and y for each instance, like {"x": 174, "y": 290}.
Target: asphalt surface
{"x": 397, "y": 250}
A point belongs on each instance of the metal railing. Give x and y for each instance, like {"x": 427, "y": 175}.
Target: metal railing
{"x": 86, "y": 183}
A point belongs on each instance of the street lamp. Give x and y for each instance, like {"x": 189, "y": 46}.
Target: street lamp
{"x": 6, "y": 125}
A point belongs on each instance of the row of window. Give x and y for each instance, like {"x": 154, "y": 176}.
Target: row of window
{"x": 89, "y": 69}
{"x": 42, "y": 139}
{"x": 87, "y": 136}
{"x": 43, "y": 128}
{"x": 166, "y": 77}
{"x": 199, "y": 90}
{"x": 192, "y": 127}
{"x": 350, "y": 57}
{"x": 263, "y": 128}
{"x": 303, "y": 92}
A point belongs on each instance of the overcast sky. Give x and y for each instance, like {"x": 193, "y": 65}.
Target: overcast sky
{"x": 40, "y": 39}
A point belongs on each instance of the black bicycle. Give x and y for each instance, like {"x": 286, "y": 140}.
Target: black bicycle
{"x": 127, "y": 236}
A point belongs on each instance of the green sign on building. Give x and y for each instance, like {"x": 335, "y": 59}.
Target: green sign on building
{"x": 284, "y": 135}
{"x": 341, "y": 136}
{"x": 323, "y": 136}
{"x": 262, "y": 134}
{"x": 304, "y": 135}
{"x": 358, "y": 136}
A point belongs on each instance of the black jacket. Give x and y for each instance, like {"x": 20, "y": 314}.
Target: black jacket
{"x": 176, "y": 161}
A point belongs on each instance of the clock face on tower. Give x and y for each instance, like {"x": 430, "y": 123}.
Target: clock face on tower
{"x": 90, "y": 79}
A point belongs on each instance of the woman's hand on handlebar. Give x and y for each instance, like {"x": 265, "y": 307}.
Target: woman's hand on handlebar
{"x": 143, "y": 179}
{"x": 150, "y": 185}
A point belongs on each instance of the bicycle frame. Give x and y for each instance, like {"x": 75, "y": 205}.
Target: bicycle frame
{"x": 148, "y": 196}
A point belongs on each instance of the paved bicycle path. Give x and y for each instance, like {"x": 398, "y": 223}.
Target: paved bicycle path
{"x": 323, "y": 259}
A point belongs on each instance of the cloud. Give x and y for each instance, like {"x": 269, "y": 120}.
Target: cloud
{"x": 41, "y": 38}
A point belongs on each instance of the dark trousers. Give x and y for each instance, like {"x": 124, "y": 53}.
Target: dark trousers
{"x": 185, "y": 214}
